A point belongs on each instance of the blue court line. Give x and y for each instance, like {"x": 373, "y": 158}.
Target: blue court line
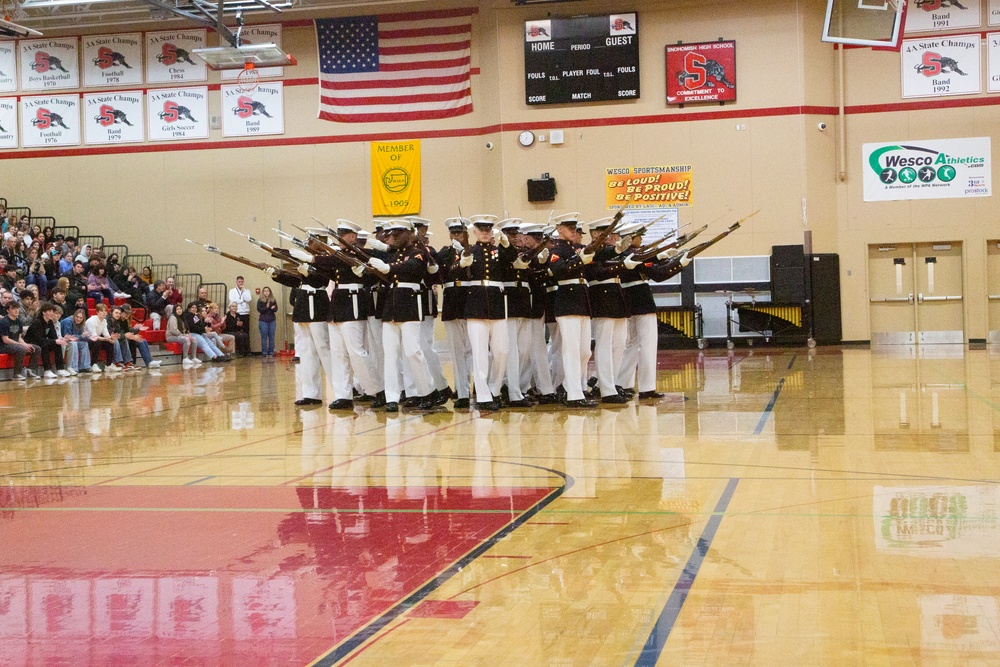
{"x": 665, "y": 623}
{"x": 790, "y": 363}
{"x": 770, "y": 406}
{"x": 198, "y": 481}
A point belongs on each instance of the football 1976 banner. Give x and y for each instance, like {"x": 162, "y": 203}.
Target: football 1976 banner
{"x": 395, "y": 177}
{"x": 703, "y": 72}
{"x": 646, "y": 187}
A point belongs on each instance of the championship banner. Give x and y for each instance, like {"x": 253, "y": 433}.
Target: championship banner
{"x": 260, "y": 111}
{"x": 703, "y": 72}
{"x": 923, "y": 15}
{"x": 177, "y": 113}
{"x": 648, "y": 187}
{"x": 111, "y": 595}
{"x": 395, "y": 177}
{"x": 112, "y": 60}
{"x": 993, "y": 62}
{"x": 113, "y": 118}
{"x": 8, "y": 67}
{"x": 8, "y": 122}
{"x": 169, "y": 59}
{"x": 943, "y": 66}
{"x": 258, "y": 34}
{"x": 937, "y": 169}
{"x": 52, "y": 120}
{"x": 50, "y": 63}
{"x": 993, "y": 15}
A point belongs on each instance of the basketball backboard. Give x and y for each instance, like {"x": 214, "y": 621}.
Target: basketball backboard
{"x": 258, "y": 55}
{"x": 876, "y": 23}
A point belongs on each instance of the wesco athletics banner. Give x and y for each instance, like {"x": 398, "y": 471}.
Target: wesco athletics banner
{"x": 936, "y": 169}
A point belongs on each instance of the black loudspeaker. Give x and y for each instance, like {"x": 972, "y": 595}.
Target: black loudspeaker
{"x": 824, "y": 282}
{"x": 541, "y": 189}
{"x": 787, "y": 256}
{"x": 788, "y": 279}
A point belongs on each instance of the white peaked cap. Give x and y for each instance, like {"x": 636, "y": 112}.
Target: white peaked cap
{"x": 453, "y": 223}
{"x": 347, "y": 226}
{"x": 483, "y": 219}
{"x": 532, "y": 228}
{"x": 599, "y": 224}
{"x": 509, "y": 223}
{"x": 398, "y": 224}
{"x": 418, "y": 222}
{"x": 318, "y": 231}
{"x": 565, "y": 218}
{"x": 630, "y": 228}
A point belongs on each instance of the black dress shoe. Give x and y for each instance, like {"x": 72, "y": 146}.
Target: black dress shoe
{"x": 614, "y": 399}
{"x": 647, "y": 395}
{"x": 392, "y": 407}
{"x": 446, "y": 394}
{"x": 592, "y": 382}
{"x": 461, "y": 404}
{"x": 488, "y": 406}
{"x": 342, "y": 404}
{"x": 308, "y": 401}
{"x": 378, "y": 401}
{"x": 428, "y": 402}
{"x": 411, "y": 402}
{"x": 627, "y": 393}
{"x": 504, "y": 395}
{"x": 440, "y": 397}
{"x": 581, "y": 403}
{"x": 523, "y": 403}
{"x": 364, "y": 398}
{"x": 548, "y": 399}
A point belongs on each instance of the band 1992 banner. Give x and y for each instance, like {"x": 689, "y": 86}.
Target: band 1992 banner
{"x": 648, "y": 187}
{"x": 936, "y": 169}
{"x": 941, "y": 66}
{"x": 701, "y": 72}
{"x": 395, "y": 177}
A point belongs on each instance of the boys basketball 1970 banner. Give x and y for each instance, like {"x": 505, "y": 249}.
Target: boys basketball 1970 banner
{"x": 395, "y": 177}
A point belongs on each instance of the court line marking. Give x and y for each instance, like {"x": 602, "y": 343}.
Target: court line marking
{"x": 653, "y": 647}
{"x": 770, "y": 406}
{"x": 198, "y": 481}
{"x": 359, "y": 640}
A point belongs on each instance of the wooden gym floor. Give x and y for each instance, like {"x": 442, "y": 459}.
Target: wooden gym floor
{"x": 779, "y": 507}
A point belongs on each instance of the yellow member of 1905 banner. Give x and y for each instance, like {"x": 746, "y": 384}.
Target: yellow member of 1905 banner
{"x": 395, "y": 177}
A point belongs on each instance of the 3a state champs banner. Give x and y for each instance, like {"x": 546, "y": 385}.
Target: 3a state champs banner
{"x": 175, "y": 114}
{"x": 923, "y": 15}
{"x": 8, "y": 67}
{"x": 52, "y": 120}
{"x": 48, "y": 64}
{"x": 113, "y": 118}
{"x": 395, "y": 177}
{"x": 169, "y": 58}
{"x": 935, "y": 169}
{"x": 8, "y": 122}
{"x": 260, "y": 111}
{"x": 112, "y": 60}
{"x": 258, "y": 34}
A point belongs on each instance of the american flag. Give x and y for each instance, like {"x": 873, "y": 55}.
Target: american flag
{"x": 412, "y": 66}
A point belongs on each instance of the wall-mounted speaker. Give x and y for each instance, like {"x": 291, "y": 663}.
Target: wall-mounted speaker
{"x": 541, "y": 189}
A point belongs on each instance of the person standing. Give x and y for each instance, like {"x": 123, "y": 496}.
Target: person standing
{"x": 608, "y": 313}
{"x": 267, "y": 321}
{"x": 241, "y": 297}
{"x": 455, "y": 289}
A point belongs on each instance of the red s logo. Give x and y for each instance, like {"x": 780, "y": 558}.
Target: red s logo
{"x": 169, "y": 113}
{"x": 244, "y": 107}
{"x": 618, "y": 25}
{"x": 930, "y": 64}
{"x": 106, "y": 116}
{"x": 694, "y": 65}
{"x": 41, "y": 63}
{"x": 931, "y": 5}
{"x": 43, "y": 119}
{"x": 104, "y": 60}
{"x": 168, "y": 55}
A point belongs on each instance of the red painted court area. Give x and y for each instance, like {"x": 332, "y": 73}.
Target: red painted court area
{"x": 222, "y": 575}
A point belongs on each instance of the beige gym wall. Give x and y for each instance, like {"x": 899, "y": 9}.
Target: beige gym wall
{"x": 779, "y": 162}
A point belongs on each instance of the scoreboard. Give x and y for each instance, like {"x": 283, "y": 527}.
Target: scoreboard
{"x": 581, "y": 59}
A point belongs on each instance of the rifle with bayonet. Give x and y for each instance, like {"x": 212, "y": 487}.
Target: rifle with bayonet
{"x": 677, "y": 263}
{"x": 277, "y": 253}
{"x": 650, "y": 251}
{"x": 598, "y": 241}
{"x": 349, "y": 247}
{"x": 243, "y": 260}
{"x": 333, "y": 251}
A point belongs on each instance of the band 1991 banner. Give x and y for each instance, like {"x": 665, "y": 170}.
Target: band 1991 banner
{"x": 936, "y": 169}
{"x": 395, "y": 177}
{"x": 701, "y": 72}
{"x": 648, "y": 187}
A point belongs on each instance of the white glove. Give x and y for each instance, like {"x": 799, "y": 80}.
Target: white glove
{"x": 685, "y": 260}
{"x": 270, "y": 271}
{"x": 465, "y": 261}
{"x": 375, "y": 244}
{"x": 457, "y": 246}
{"x": 303, "y": 269}
{"x": 500, "y": 238}
{"x": 300, "y": 254}
{"x": 543, "y": 255}
{"x": 669, "y": 252}
{"x": 358, "y": 270}
{"x": 519, "y": 263}
{"x": 432, "y": 268}
{"x": 623, "y": 244}
{"x": 586, "y": 257}
{"x": 378, "y": 265}
{"x": 631, "y": 263}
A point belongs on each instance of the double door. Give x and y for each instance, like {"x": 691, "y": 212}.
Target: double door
{"x": 915, "y": 293}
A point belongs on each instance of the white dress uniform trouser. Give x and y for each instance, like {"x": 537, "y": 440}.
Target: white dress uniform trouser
{"x": 555, "y": 354}
{"x": 640, "y": 351}
{"x": 488, "y": 337}
{"x": 538, "y": 362}
{"x": 609, "y": 336}
{"x": 373, "y": 341}
{"x": 312, "y": 341}
{"x": 399, "y": 340}
{"x": 574, "y": 335}
{"x": 433, "y": 362}
{"x": 461, "y": 354}
{"x": 518, "y": 348}
{"x": 348, "y": 354}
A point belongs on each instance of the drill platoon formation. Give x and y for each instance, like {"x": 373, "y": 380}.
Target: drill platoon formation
{"x": 365, "y": 305}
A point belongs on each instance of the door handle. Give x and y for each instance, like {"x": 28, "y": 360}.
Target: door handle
{"x": 901, "y": 299}
{"x": 940, "y": 298}
{"x": 994, "y": 297}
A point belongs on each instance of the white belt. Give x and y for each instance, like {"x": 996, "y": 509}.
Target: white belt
{"x": 574, "y": 281}
{"x": 609, "y": 281}
{"x": 633, "y": 283}
{"x": 517, "y": 283}
{"x": 485, "y": 283}
{"x": 350, "y": 287}
{"x": 455, "y": 283}
{"x": 552, "y": 288}
{"x": 416, "y": 287}
{"x": 308, "y": 288}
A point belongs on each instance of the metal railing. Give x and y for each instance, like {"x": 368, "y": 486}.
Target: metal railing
{"x": 120, "y": 250}
{"x": 66, "y": 230}
{"x": 188, "y": 283}
{"x": 94, "y": 240}
{"x": 44, "y": 221}
{"x": 163, "y": 271}
{"x": 138, "y": 261}
{"x": 18, "y": 211}
{"x": 218, "y": 293}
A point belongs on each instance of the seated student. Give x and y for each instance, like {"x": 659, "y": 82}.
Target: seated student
{"x": 77, "y": 288}
{"x": 236, "y": 326}
{"x": 196, "y": 326}
{"x": 12, "y": 342}
{"x": 118, "y": 327}
{"x": 66, "y": 263}
{"x": 157, "y": 303}
{"x": 132, "y": 333}
{"x": 99, "y": 338}
{"x": 177, "y": 333}
{"x": 58, "y": 298}
{"x": 43, "y": 332}
{"x": 216, "y": 323}
{"x": 99, "y": 285}
{"x": 78, "y": 349}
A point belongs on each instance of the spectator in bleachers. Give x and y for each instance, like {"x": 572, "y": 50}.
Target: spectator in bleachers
{"x": 85, "y": 254}
{"x": 48, "y": 236}
{"x": 241, "y": 297}
{"x": 25, "y": 355}
{"x": 99, "y": 285}
{"x": 95, "y": 330}
{"x": 36, "y": 233}
{"x": 66, "y": 262}
{"x": 266, "y": 321}
{"x": 69, "y": 244}
{"x": 172, "y": 292}
{"x": 9, "y": 277}
{"x": 216, "y": 323}
{"x": 5, "y": 298}
{"x": 29, "y": 305}
{"x": 147, "y": 275}
{"x": 77, "y": 278}
{"x": 58, "y": 297}
{"x": 177, "y": 333}
{"x": 78, "y": 349}
{"x": 196, "y": 326}
{"x": 43, "y": 333}
{"x": 236, "y": 327}
{"x": 10, "y": 250}
{"x": 133, "y": 335}
{"x": 118, "y": 327}
{"x": 35, "y": 274}
{"x": 203, "y": 299}
{"x": 131, "y": 284}
{"x": 156, "y": 302}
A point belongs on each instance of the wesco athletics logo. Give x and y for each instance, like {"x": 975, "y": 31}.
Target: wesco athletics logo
{"x": 906, "y": 164}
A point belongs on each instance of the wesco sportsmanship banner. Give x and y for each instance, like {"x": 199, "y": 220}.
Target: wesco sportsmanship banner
{"x": 645, "y": 187}
{"x": 936, "y": 169}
